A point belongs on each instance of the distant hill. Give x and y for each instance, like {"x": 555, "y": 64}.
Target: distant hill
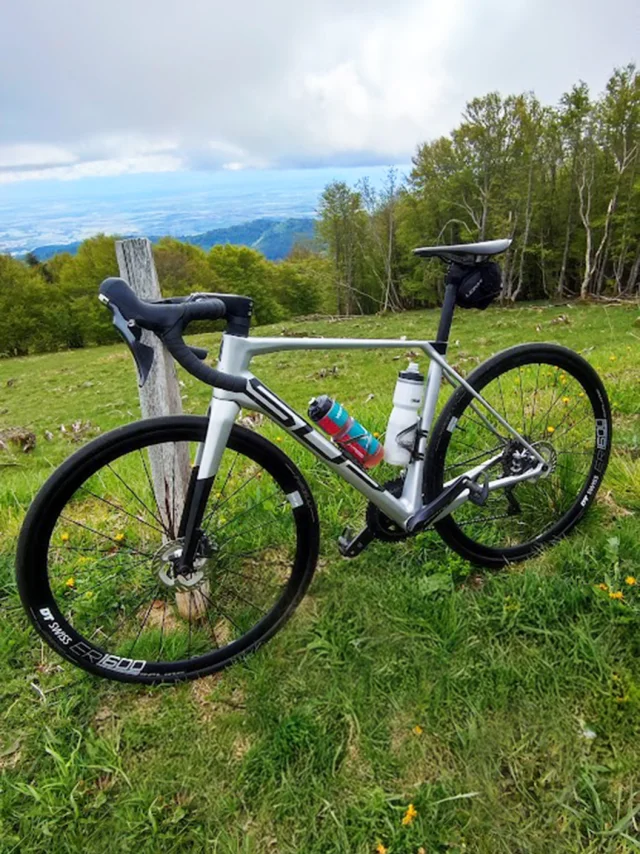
{"x": 273, "y": 237}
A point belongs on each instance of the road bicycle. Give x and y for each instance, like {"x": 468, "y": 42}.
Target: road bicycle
{"x": 169, "y": 548}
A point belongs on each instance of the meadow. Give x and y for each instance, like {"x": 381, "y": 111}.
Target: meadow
{"x": 412, "y": 704}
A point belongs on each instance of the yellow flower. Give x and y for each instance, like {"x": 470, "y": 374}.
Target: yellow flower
{"x": 64, "y": 537}
{"x": 119, "y": 538}
{"x": 566, "y": 400}
{"x": 617, "y": 595}
{"x": 278, "y": 438}
{"x": 612, "y": 358}
{"x": 581, "y": 394}
{"x": 563, "y": 378}
{"x": 602, "y": 586}
{"x": 376, "y": 435}
{"x": 417, "y": 729}
{"x": 410, "y": 815}
{"x": 551, "y": 429}
{"x": 380, "y": 849}
{"x": 630, "y": 580}
{"x": 70, "y": 582}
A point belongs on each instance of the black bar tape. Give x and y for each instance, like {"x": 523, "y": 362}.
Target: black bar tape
{"x": 183, "y": 355}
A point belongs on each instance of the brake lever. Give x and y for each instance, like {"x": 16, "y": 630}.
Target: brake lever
{"x": 131, "y": 333}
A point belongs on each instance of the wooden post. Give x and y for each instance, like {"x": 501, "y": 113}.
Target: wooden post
{"x": 161, "y": 393}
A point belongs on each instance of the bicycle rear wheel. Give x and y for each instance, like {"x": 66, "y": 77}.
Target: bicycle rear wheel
{"x": 96, "y": 555}
{"x": 557, "y": 402}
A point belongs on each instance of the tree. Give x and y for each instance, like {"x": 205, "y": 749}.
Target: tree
{"x": 241, "y": 270}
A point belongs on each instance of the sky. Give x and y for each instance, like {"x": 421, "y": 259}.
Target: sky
{"x": 147, "y": 86}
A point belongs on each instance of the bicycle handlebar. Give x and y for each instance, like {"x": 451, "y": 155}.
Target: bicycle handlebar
{"x": 168, "y": 320}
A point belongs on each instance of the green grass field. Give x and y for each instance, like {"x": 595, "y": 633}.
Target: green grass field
{"x": 504, "y": 707}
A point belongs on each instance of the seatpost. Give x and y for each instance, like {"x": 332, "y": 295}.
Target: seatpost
{"x": 446, "y": 318}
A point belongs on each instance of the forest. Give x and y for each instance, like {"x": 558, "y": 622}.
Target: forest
{"x": 563, "y": 181}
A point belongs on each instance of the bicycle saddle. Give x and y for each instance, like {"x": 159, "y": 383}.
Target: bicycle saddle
{"x": 465, "y": 252}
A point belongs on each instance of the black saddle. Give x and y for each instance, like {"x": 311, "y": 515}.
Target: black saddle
{"x": 465, "y": 253}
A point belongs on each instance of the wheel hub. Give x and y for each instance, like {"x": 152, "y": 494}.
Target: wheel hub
{"x": 166, "y": 563}
{"x": 516, "y": 459}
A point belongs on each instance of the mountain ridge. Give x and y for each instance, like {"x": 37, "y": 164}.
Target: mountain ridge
{"x": 273, "y": 236}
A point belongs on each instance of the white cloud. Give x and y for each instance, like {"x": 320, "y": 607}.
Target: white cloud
{"x": 96, "y": 168}
{"x": 33, "y": 154}
{"x": 102, "y": 88}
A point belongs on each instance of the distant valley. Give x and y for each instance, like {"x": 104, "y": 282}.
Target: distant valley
{"x": 273, "y": 237}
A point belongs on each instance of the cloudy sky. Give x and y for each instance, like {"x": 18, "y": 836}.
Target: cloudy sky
{"x": 89, "y": 87}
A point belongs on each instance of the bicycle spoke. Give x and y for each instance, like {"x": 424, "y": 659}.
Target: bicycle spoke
{"x": 104, "y": 536}
{"x": 224, "y": 486}
{"x": 138, "y": 499}
{"x": 249, "y": 509}
{"x": 153, "y": 492}
{"x": 122, "y": 510}
{"x": 144, "y": 622}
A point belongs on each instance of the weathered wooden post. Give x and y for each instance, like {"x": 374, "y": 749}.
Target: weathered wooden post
{"x": 160, "y": 395}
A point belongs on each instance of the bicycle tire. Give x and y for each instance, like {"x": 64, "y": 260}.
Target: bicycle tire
{"x": 448, "y": 424}
{"x": 33, "y": 574}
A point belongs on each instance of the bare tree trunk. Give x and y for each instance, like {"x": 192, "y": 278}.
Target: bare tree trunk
{"x": 525, "y": 236}
{"x": 509, "y": 261}
{"x": 565, "y": 255}
{"x": 584, "y": 192}
{"x": 602, "y": 268}
{"x": 598, "y": 258}
{"x": 633, "y": 275}
{"x": 485, "y": 209}
{"x": 389, "y": 272}
{"x": 624, "y": 242}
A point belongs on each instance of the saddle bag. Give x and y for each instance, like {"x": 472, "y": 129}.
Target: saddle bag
{"x": 478, "y": 284}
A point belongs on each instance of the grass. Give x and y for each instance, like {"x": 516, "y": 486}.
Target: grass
{"x": 505, "y": 707}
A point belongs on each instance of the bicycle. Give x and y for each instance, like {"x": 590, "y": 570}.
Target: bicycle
{"x": 130, "y": 590}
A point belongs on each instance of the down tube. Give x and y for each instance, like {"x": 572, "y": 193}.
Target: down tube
{"x": 269, "y": 403}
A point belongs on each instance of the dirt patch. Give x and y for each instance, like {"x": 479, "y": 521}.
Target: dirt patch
{"x": 241, "y": 746}
{"x": 20, "y": 437}
{"x": 104, "y": 717}
{"x": 160, "y": 611}
{"x": 607, "y": 499}
{"x": 208, "y": 707}
{"x": 423, "y": 757}
{"x": 10, "y": 755}
{"x": 201, "y": 691}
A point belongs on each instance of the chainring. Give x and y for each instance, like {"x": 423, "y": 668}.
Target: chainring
{"x": 380, "y": 525}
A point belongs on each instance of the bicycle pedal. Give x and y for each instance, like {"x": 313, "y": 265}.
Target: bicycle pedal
{"x": 350, "y": 546}
{"x": 478, "y": 492}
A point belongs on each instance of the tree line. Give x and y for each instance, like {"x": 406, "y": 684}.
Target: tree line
{"x": 54, "y": 305}
{"x": 563, "y": 181}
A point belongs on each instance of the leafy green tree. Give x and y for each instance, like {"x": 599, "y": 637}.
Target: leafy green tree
{"x": 241, "y": 270}
{"x": 183, "y": 268}
{"x": 85, "y": 320}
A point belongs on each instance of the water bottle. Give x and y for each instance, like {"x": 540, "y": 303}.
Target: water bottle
{"x": 407, "y": 400}
{"x": 345, "y": 431}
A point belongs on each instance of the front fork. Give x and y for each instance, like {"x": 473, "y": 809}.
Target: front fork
{"x": 222, "y": 416}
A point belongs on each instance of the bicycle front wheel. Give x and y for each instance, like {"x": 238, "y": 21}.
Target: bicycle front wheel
{"x": 98, "y": 546}
{"x": 557, "y": 402}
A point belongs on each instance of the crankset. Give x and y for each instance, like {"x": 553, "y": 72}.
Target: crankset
{"x": 378, "y": 527}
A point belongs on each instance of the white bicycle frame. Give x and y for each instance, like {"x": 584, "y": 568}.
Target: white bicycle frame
{"x": 235, "y": 357}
